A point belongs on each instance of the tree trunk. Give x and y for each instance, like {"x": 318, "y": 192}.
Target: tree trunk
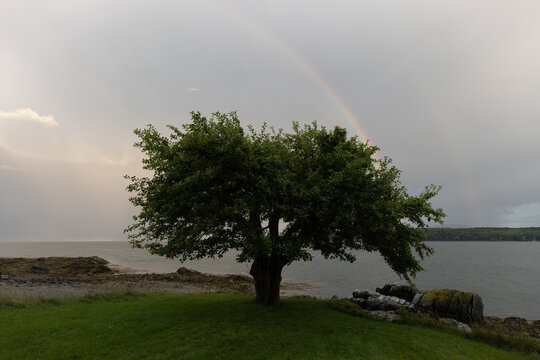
{"x": 266, "y": 271}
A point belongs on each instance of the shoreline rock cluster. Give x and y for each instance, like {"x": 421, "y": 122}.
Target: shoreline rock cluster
{"x": 75, "y": 276}
{"x": 55, "y": 267}
{"x": 390, "y": 297}
{"x": 513, "y": 326}
{"x": 64, "y": 273}
{"x": 461, "y": 306}
{"x": 457, "y": 308}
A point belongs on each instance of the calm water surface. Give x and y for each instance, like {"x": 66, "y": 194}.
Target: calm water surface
{"x": 505, "y": 274}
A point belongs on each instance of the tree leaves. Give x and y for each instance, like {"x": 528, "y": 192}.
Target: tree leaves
{"x": 216, "y": 187}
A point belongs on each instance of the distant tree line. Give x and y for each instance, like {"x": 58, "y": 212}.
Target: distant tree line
{"x": 484, "y": 234}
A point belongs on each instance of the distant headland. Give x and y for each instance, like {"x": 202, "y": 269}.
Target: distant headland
{"x": 484, "y": 234}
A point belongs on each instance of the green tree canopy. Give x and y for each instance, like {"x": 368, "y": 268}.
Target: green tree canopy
{"x": 274, "y": 197}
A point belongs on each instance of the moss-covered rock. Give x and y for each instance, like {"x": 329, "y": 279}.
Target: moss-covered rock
{"x": 462, "y": 306}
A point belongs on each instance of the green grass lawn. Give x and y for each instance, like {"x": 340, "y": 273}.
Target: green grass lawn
{"x": 218, "y": 326}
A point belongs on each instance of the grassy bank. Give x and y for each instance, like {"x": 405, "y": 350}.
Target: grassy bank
{"x": 217, "y": 326}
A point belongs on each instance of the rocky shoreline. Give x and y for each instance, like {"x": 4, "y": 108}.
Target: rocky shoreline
{"x": 453, "y": 307}
{"x": 76, "y": 276}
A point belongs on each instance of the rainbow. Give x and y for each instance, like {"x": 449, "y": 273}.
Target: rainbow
{"x": 305, "y": 65}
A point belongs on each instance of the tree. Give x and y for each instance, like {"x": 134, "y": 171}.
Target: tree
{"x": 274, "y": 198}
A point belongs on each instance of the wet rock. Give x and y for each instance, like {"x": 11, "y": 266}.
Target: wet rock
{"x": 405, "y": 292}
{"x": 385, "y": 302}
{"x": 513, "y": 326}
{"x": 78, "y": 268}
{"x": 385, "y": 289}
{"x": 364, "y": 294}
{"x": 38, "y": 269}
{"x": 187, "y": 272}
{"x": 358, "y": 301}
{"x": 416, "y": 299}
{"x": 462, "y": 306}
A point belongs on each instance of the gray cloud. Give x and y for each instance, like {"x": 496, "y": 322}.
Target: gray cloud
{"x": 448, "y": 89}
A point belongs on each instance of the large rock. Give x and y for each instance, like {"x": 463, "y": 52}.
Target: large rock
{"x": 364, "y": 294}
{"x": 85, "y": 268}
{"x": 375, "y": 301}
{"x": 38, "y": 269}
{"x": 416, "y": 299}
{"x": 462, "y": 306}
{"x": 358, "y": 301}
{"x": 385, "y": 302}
{"x": 406, "y": 292}
{"x": 184, "y": 271}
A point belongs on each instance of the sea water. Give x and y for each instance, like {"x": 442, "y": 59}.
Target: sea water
{"x": 505, "y": 274}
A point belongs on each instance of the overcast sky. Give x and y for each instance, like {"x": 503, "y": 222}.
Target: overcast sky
{"x": 448, "y": 89}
